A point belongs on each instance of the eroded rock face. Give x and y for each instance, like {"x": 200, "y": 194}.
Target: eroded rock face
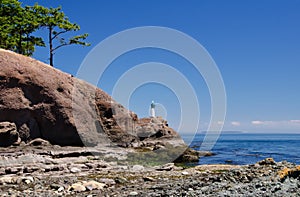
{"x": 37, "y": 98}
{"x": 46, "y": 103}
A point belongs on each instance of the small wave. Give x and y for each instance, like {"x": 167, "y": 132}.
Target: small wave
{"x": 249, "y": 155}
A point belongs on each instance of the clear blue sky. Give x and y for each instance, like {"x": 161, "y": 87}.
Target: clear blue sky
{"x": 256, "y": 45}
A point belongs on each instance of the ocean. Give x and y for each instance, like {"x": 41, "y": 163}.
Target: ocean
{"x": 244, "y": 148}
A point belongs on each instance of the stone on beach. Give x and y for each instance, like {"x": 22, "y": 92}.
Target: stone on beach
{"x": 8, "y": 134}
{"x": 86, "y": 185}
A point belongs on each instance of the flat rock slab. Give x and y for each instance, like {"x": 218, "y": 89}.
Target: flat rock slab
{"x": 217, "y": 167}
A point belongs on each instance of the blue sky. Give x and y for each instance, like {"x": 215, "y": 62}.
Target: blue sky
{"x": 256, "y": 45}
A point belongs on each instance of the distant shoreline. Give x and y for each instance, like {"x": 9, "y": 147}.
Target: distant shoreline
{"x": 240, "y": 132}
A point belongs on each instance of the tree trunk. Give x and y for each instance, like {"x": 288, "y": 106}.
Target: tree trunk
{"x": 27, "y": 45}
{"x": 19, "y": 49}
{"x": 51, "y": 46}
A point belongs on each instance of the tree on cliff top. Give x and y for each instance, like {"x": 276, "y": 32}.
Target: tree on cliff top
{"x": 17, "y": 25}
{"x": 58, "y": 24}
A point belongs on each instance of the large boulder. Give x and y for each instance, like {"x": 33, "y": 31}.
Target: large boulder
{"x": 8, "y": 134}
{"x": 46, "y": 103}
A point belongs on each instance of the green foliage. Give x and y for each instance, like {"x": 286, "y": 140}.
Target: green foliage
{"x": 58, "y": 24}
{"x": 17, "y": 25}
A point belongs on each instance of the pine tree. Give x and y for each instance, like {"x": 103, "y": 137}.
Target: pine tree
{"x": 16, "y": 27}
{"x": 58, "y": 24}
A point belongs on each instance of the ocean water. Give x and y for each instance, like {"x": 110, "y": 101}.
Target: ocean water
{"x": 249, "y": 148}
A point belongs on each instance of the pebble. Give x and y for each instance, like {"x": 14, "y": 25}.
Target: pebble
{"x": 57, "y": 187}
{"x": 60, "y": 189}
{"x": 75, "y": 170}
{"x": 133, "y": 193}
{"x": 108, "y": 182}
{"x": 27, "y": 180}
{"x": 121, "y": 180}
{"x": 149, "y": 179}
{"x": 91, "y": 185}
{"x": 137, "y": 168}
{"x": 8, "y": 180}
{"x": 77, "y": 187}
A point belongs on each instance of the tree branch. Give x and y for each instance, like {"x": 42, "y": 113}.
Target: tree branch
{"x": 59, "y": 34}
{"x": 66, "y": 44}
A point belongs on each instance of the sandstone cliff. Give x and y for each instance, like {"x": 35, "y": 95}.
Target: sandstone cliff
{"x": 46, "y": 103}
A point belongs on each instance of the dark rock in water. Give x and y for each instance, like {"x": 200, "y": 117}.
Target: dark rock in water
{"x": 8, "y": 134}
{"x": 205, "y": 153}
{"x": 229, "y": 161}
{"x": 189, "y": 155}
{"x": 46, "y": 103}
{"x": 267, "y": 161}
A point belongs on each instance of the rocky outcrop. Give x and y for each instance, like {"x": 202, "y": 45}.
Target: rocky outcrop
{"x": 267, "y": 161}
{"x": 8, "y": 134}
{"x": 46, "y": 103}
{"x": 289, "y": 172}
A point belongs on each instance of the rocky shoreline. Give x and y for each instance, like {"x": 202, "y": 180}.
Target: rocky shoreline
{"x": 60, "y": 136}
{"x": 41, "y": 169}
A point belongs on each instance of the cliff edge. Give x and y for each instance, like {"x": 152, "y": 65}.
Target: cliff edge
{"x": 40, "y": 101}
